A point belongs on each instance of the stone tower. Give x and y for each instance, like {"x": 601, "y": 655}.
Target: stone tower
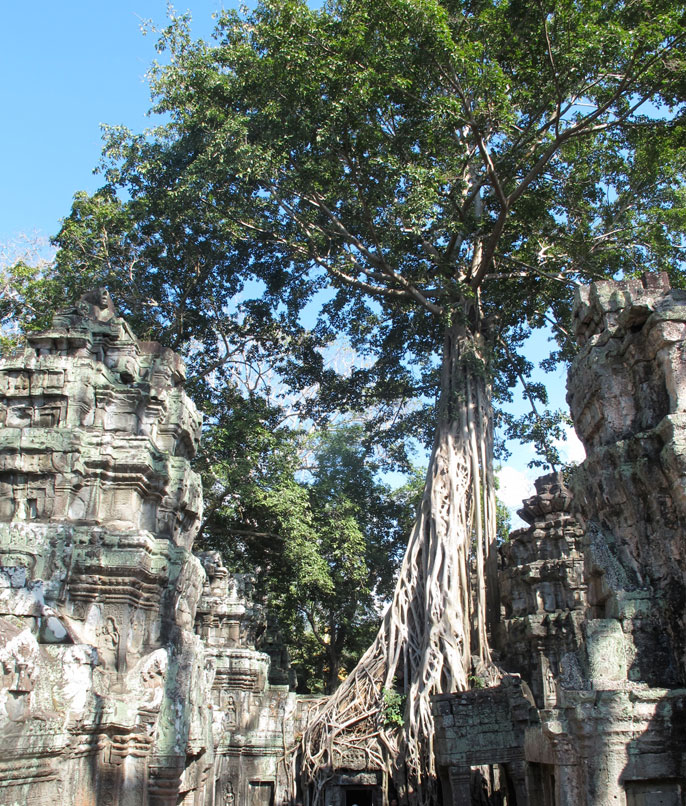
{"x": 98, "y": 510}
{"x": 129, "y": 673}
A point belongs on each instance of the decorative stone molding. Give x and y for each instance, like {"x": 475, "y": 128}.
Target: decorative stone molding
{"x": 108, "y": 695}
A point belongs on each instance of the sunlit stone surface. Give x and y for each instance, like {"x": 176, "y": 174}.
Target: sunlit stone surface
{"x": 592, "y": 593}
{"x": 129, "y": 673}
{"x": 135, "y": 673}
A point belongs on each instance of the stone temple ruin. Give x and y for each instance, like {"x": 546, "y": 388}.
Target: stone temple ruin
{"x": 134, "y": 672}
{"x": 130, "y": 673}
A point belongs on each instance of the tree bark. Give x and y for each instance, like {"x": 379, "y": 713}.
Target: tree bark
{"x": 426, "y": 640}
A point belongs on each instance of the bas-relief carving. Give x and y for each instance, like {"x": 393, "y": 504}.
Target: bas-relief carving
{"x": 230, "y": 716}
{"x": 229, "y": 798}
{"x": 98, "y": 512}
{"x": 97, "y": 304}
{"x": 108, "y": 644}
{"x": 18, "y": 664}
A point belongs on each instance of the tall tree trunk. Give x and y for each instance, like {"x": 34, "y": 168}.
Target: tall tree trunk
{"x": 333, "y": 656}
{"x": 426, "y": 640}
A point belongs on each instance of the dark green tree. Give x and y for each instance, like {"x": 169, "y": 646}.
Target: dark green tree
{"x": 360, "y": 526}
{"x": 175, "y": 283}
{"x": 324, "y": 542}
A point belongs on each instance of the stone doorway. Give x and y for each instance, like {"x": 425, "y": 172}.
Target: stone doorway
{"x": 261, "y": 793}
{"x": 359, "y": 796}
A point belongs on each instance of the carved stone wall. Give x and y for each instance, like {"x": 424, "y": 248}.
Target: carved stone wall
{"x": 128, "y": 668}
{"x": 543, "y": 592}
{"x": 627, "y": 395}
{"x": 134, "y": 672}
{"x": 593, "y": 591}
{"x": 253, "y": 720}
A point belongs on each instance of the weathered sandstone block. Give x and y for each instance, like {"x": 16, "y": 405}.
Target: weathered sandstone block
{"x": 108, "y": 694}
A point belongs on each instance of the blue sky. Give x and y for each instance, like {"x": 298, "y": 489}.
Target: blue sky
{"x": 68, "y": 68}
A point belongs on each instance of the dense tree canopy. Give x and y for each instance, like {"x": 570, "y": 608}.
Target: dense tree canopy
{"x": 324, "y": 541}
{"x": 418, "y": 151}
{"x": 374, "y": 141}
{"x": 449, "y": 169}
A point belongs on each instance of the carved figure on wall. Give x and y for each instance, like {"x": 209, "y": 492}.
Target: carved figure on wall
{"x": 233, "y": 588}
{"x": 274, "y": 707}
{"x": 189, "y": 588}
{"x": 18, "y": 668}
{"x": 550, "y": 682}
{"x": 109, "y": 634}
{"x": 152, "y": 678}
{"x": 82, "y": 402}
{"x": 124, "y": 365}
{"x": 22, "y": 678}
{"x": 230, "y": 713}
{"x": 112, "y": 599}
{"x": 97, "y": 304}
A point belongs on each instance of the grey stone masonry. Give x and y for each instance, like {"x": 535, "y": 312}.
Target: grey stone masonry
{"x": 543, "y": 592}
{"x": 128, "y": 665}
{"x": 593, "y": 592}
{"x": 627, "y": 395}
{"x": 136, "y": 673}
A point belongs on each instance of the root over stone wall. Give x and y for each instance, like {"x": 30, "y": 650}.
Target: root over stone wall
{"x": 130, "y": 668}
{"x": 592, "y": 709}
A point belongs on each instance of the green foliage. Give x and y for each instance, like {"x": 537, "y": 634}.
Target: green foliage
{"x": 409, "y": 156}
{"x": 325, "y": 544}
{"x": 174, "y": 283}
{"x": 476, "y": 682}
{"x": 425, "y": 164}
{"x": 393, "y": 708}
{"x": 412, "y": 155}
{"x": 24, "y": 290}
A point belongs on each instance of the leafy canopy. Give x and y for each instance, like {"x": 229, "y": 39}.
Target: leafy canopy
{"x": 416, "y": 155}
{"x": 324, "y": 543}
{"x": 410, "y": 156}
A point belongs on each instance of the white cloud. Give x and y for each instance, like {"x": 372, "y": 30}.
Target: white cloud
{"x": 571, "y": 449}
{"x": 518, "y": 484}
{"x": 515, "y": 486}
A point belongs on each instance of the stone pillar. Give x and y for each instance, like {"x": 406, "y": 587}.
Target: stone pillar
{"x": 163, "y": 786}
{"x": 568, "y": 789}
{"x": 605, "y": 767}
{"x": 517, "y": 772}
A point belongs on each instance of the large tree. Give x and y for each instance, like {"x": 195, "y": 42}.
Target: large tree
{"x": 448, "y": 170}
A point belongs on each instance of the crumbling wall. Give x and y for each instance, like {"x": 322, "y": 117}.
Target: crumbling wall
{"x": 593, "y": 591}
{"x": 130, "y": 671}
{"x": 614, "y": 555}
{"x": 627, "y": 395}
{"x": 543, "y": 593}
{"x": 128, "y": 668}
